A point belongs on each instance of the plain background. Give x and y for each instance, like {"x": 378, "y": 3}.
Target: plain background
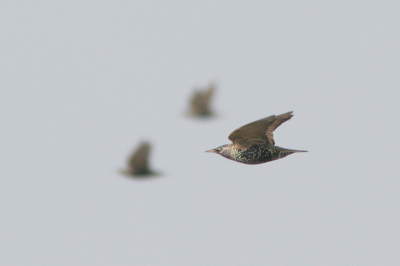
{"x": 82, "y": 83}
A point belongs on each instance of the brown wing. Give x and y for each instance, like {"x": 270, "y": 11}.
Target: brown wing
{"x": 278, "y": 121}
{"x": 207, "y": 96}
{"x": 196, "y": 103}
{"x": 200, "y": 103}
{"x": 139, "y": 159}
{"x": 258, "y": 132}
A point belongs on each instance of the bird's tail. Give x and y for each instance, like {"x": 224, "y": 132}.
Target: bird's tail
{"x": 293, "y": 151}
{"x": 289, "y": 151}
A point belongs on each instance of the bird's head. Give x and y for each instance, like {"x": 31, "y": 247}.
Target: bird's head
{"x": 224, "y": 150}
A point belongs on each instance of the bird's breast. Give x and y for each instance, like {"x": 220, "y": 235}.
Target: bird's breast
{"x": 254, "y": 154}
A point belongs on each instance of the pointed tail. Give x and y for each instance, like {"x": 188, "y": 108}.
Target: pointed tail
{"x": 289, "y": 151}
{"x": 293, "y": 151}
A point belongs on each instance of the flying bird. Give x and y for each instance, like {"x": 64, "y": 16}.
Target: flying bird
{"x": 254, "y": 143}
{"x": 201, "y": 101}
{"x": 138, "y": 162}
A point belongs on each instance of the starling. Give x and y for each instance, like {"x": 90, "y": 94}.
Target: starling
{"x": 138, "y": 163}
{"x": 254, "y": 143}
{"x": 201, "y": 101}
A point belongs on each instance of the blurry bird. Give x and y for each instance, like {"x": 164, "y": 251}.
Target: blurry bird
{"x": 254, "y": 143}
{"x": 201, "y": 101}
{"x": 138, "y": 163}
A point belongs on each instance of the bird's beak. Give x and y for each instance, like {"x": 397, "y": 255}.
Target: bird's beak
{"x": 212, "y": 150}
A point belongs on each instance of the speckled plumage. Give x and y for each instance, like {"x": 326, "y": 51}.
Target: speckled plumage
{"x": 254, "y": 143}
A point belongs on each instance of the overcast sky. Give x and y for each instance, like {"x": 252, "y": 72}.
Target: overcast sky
{"x": 82, "y": 83}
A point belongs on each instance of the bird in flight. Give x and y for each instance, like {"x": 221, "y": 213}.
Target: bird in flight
{"x": 138, "y": 162}
{"x": 200, "y": 102}
{"x": 254, "y": 143}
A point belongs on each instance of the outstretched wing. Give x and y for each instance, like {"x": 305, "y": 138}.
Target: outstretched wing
{"x": 201, "y": 101}
{"x": 140, "y": 158}
{"x": 207, "y": 96}
{"x": 258, "y": 132}
{"x": 278, "y": 121}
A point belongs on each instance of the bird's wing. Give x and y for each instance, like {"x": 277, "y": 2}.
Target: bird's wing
{"x": 207, "y": 96}
{"x": 258, "y": 132}
{"x": 252, "y": 133}
{"x": 278, "y": 121}
{"x": 139, "y": 159}
{"x": 196, "y": 103}
{"x": 201, "y": 100}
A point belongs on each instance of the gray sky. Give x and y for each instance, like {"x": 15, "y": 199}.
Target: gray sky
{"x": 82, "y": 83}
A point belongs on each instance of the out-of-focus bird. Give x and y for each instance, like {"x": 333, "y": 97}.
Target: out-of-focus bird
{"x": 138, "y": 162}
{"x": 254, "y": 143}
{"x": 201, "y": 101}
